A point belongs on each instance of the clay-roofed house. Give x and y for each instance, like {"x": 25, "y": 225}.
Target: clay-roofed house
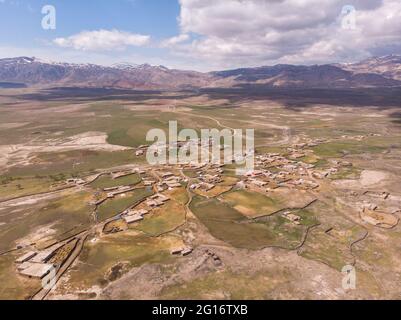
{"x": 26, "y": 257}
{"x": 292, "y": 217}
{"x": 76, "y": 181}
{"x": 211, "y": 178}
{"x": 160, "y": 197}
{"x": 196, "y": 166}
{"x": 241, "y": 185}
{"x": 24, "y": 265}
{"x": 140, "y": 212}
{"x": 37, "y": 270}
{"x": 143, "y": 212}
{"x": 290, "y": 167}
{"x": 167, "y": 175}
{"x": 133, "y": 219}
{"x": 297, "y": 155}
{"x": 258, "y": 183}
{"x": 110, "y": 189}
{"x": 176, "y": 251}
{"x": 173, "y": 184}
{"x": 254, "y": 173}
{"x": 187, "y": 251}
{"x": 303, "y": 172}
{"x": 172, "y": 178}
{"x": 320, "y": 174}
{"x": 153, "y": 203}
{"x": 45, "y": 255}
{"x": 206, "y": 186}
{"x": 157, "y": 200}
{"x": 182, "y": 251}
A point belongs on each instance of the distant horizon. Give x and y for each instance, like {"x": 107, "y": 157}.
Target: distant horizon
{"x": 115, "y": 65}
{"x": 201, "y": 35}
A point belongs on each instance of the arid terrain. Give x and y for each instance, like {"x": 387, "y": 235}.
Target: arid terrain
{"x": 77, "y": 193}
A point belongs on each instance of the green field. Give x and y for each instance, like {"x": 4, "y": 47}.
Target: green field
{"x": 115, "y": 206}
{"x": 252, "y": 203}
{"x": 107, "y": 182}
{"x": 227, "y": 224}
{"x": 67, "y": 214}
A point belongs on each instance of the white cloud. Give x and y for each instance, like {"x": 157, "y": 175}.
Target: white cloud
{"x": 175, "y": 40}
{"x": 102, "y": 40}
{"x": 235, "y": 33}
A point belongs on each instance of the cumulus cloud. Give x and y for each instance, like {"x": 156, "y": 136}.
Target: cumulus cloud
{"x": 252, "y": 32}
{"x": 102, "y": 40}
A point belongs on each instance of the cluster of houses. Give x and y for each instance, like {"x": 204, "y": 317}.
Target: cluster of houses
{"x": 37, "y": 265}
{"x": 133, "y": 216}
{"x": 169, "y": 181}
{"x": 157, "y": 200}
{"x": 114, "y": 191}
{"x": 295, "y": 175}
{"x": 360, "y": 137}
{"x": 208, "y": 177}
{"x": 276, "y": 170}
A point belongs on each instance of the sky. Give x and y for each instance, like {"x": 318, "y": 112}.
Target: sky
{"x": 200, "y": 35}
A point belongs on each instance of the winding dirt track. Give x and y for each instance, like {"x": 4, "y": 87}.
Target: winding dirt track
{"x": 286, "y": 130}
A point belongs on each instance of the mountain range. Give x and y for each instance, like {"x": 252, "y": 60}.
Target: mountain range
{"x": 374, "y": 72}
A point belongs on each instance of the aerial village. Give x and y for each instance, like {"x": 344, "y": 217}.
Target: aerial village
{"x": 272, "y": 171}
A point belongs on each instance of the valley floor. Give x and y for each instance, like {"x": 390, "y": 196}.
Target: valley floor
{"x": 77, "y": 195}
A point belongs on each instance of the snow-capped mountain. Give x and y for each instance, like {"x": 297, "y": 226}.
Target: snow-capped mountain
{"x": 374, "y": 72}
